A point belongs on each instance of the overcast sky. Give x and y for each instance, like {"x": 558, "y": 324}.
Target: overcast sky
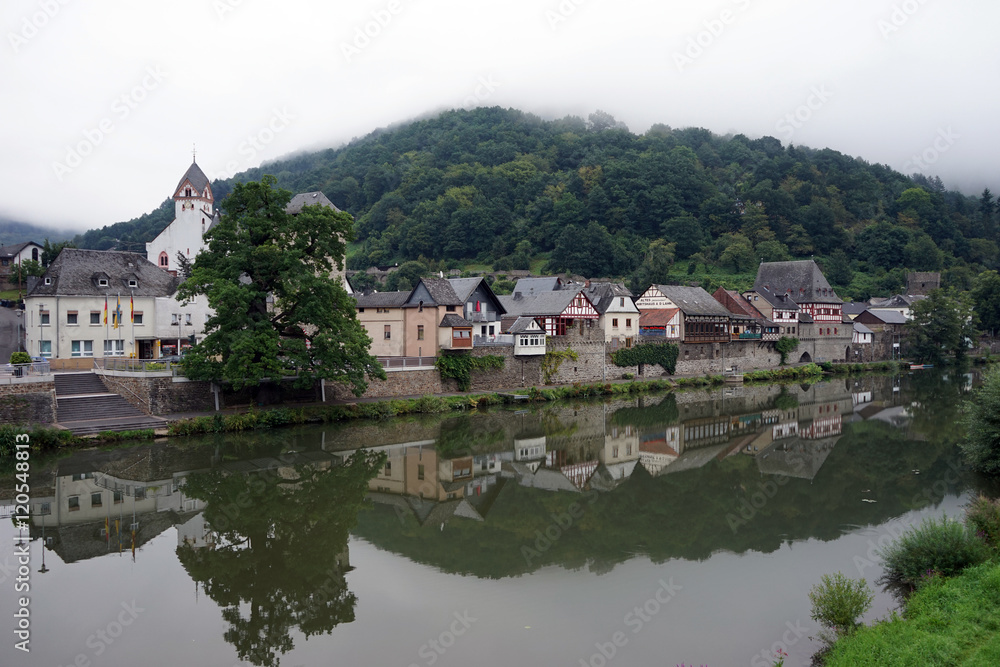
{"x": 102, "y": 100}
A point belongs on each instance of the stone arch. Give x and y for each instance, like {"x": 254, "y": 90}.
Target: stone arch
{"x": 805, "y": 358}
{"x": 847, "y": 355}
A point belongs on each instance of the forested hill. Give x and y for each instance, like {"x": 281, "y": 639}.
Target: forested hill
{"x": 502, "y": 187}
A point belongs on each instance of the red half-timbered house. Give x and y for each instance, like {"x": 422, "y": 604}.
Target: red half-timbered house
{"x": 559, "y": 312}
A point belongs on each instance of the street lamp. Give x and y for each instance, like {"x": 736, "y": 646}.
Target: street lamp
{"x": 20, "y": 314}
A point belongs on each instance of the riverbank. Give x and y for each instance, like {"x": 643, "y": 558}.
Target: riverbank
{"x": 949, "y": 622}
{"x": 252, "y": 418}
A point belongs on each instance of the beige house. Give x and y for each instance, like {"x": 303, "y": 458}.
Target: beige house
{"x": 384, "y": 318}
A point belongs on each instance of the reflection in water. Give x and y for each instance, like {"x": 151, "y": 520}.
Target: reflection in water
{"x": 279, "y": 550}
{"x": 263, "y": 520}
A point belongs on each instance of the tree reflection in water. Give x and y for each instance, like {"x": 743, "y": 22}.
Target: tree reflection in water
{"x": 280, "y": 550}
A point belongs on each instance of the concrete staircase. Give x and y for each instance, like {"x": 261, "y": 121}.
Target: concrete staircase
{"x": 85, "y": 406}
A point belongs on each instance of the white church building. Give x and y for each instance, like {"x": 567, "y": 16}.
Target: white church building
{"x": 194, "y": 214}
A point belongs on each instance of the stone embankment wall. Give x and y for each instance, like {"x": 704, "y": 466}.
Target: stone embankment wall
{"x": 28, "y": 403}
{"x": 711, "y": 358}
{"x": 160, "y": 395}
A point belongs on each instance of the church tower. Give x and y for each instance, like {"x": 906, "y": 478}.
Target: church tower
{"x": 194, "y": 214}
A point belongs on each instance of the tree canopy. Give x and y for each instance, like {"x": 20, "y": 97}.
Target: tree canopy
{"x": 278, "y": 311}
{"x": 941, "y": 326}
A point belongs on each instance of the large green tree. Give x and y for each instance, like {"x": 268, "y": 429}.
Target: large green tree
{"x": 941, "y": 326}
{"x": 278, "y": 309}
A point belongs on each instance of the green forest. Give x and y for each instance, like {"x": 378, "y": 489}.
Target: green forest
{"x": 500, "y": 189}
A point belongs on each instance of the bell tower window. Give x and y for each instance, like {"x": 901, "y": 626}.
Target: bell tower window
{"x": 187, "y": 192}
{"x": 164, "y": 260}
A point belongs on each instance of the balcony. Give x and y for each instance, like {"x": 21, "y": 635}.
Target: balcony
{"x": 496, "y": 340}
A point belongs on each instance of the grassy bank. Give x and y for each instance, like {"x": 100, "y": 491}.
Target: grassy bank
{"x": 953, "y": 622}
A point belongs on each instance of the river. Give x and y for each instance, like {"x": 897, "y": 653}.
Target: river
{"x": 653, "y": 530}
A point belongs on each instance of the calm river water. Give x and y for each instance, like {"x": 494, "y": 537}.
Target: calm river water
{"x": 660, "y": 530}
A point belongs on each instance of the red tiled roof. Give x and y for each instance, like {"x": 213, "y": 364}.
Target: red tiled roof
{"x": 657, "y": 318}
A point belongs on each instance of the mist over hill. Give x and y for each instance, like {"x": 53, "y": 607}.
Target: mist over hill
{"x": 504, "y": 188}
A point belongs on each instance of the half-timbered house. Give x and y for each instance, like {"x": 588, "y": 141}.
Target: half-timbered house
{"x": 559, "y": 312}
{"x": 704, "y": 320}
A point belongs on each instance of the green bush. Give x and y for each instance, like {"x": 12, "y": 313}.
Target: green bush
{"x": 982, "y": 516}
{"x": 838, "y": 602}
{"x": 20, "y": 358}
{"x": 981, "y": 446}
{"x": 663, "y": 354}
{"x": 935, "y": 547}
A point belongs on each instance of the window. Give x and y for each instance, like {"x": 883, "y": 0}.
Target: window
{"x": 46, "y": 508}
{"x": 137, "y": 317}
{"x": 164, "y": 260}
{"x": 45, "y": 348}
{"x": 71, "y": 317}
{"x": 492, "y": 329}
{"x": 622, "y": 302}
{"x": 114, "y": 348}
{"x": 388, "y": 468}
{"x": 187, "y": 319}
{"x": 420, "y": 332}
{"x": 44, "y": 317}
{"x": 628, "y": 323}
{"x": 175, "y": 319}
{"x": 48, "y": 281}
{"x": 835, "y": 331}
{"x": 381, "y": 310}
{"x": 118, "y": 497}
{"x": 420, "y": 471}
{"x": 361, "y": 310}
{"x": 450, "y": 309}
{"x": 614, "y": 322}
{"x": 82, "y": 348}
{"x": 95, "y": 500}
{"x": 133, "y": 283}
{"x": 102, "y": 282}
{"x": 387, "y": 334}
{"x": 95, "y": 317}
{"x": 74, "y": 503}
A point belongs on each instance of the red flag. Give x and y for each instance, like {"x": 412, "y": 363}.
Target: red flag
{"x": 105, "y": 308}
{"x": 131, "y": 300}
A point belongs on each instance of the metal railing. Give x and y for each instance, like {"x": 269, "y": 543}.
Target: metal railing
{"x": 33, "y": 369}
{"x": 136, "y": 365}
{"x": 406, "y": 362}
{"x": 495, "y": 340}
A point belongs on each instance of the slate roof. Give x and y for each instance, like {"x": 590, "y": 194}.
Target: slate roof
{"x": 542, "y": 304}
{"x": 603, "y": 295}
{"x": 854, "y": 307}
{"x": 382, "y": 299}
{"x": 780, "y": 301}
{"x": 464, "y": 286}
{"x": 522, "y": 325}
{"x": 693, "y": 300}
{"x": 308, "y": 199}
{"x": 895, "y": 301}
{"x": 74, "y": 273}
{"x": 454, "y": 320}
{"x": 442, "y": 291}
{"x": 803, "y": 278}
{"x": 529, "y": 286}
{"x": 860, "y": 328}
{"x": 197, "y": 177}
{"x": 889, "y": 316}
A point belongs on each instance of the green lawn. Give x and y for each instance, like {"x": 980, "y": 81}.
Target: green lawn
{"x": 9, "y": 294}
{"x": 953, "y": 622}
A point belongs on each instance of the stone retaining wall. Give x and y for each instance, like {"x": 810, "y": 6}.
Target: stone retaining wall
{"x": 28, "y": 403}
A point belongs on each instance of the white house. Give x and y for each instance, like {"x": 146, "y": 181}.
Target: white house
{"x": 619, "y": 314}
{"x": 96, "y": 303}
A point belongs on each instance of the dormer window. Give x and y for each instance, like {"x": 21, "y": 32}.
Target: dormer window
{"x": 133, "y": 283}
{"x": 102, "y": 282}
{"x": 48, "y": 281}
